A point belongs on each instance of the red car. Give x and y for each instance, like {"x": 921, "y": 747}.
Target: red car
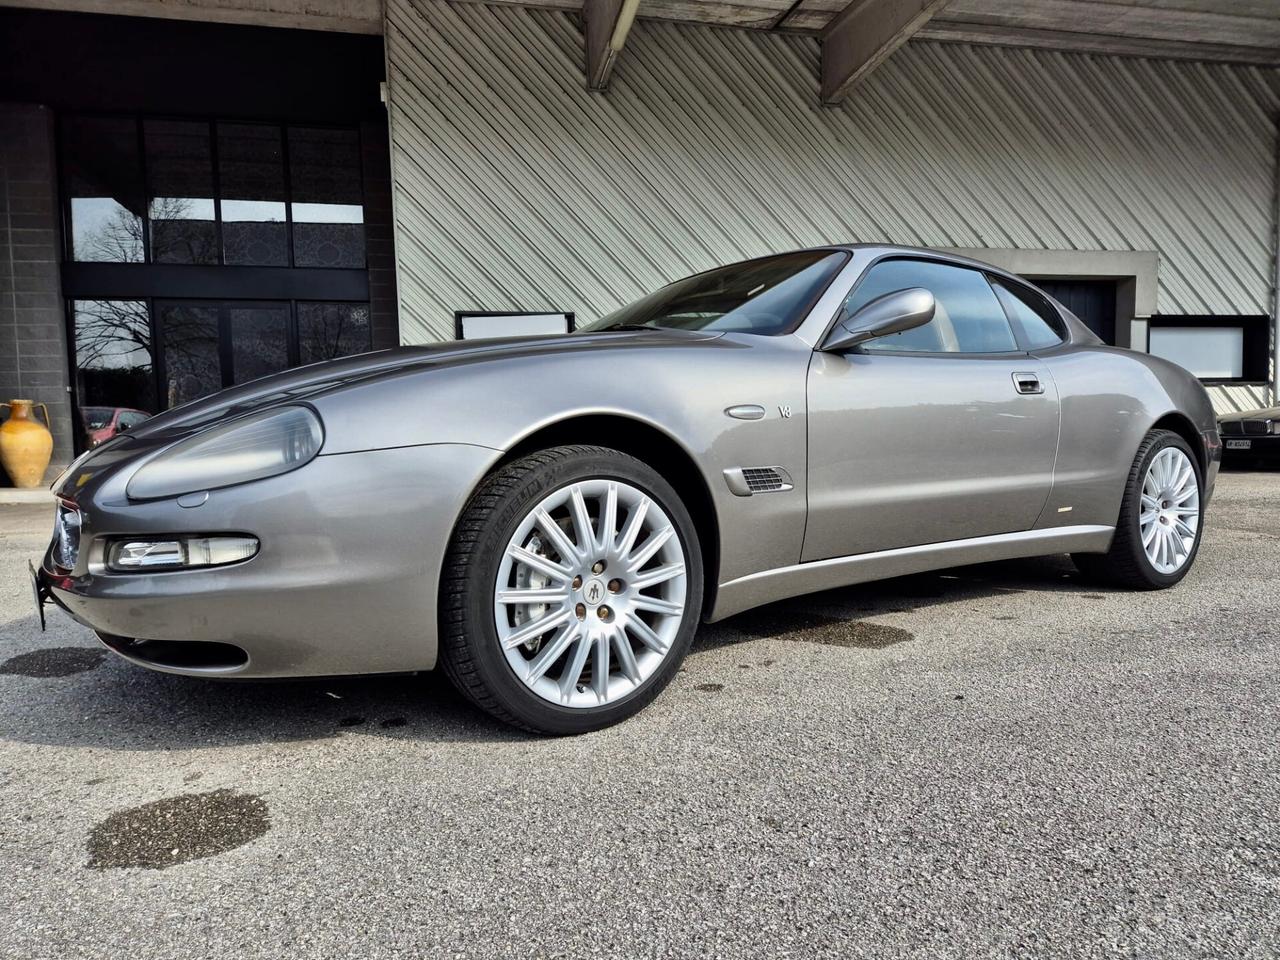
{"x": 103, "y": 423}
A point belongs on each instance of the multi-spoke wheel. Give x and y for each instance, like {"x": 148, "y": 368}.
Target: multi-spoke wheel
{"x": 575, "y": 587}
{"x": 1170, "y": 514}
{"x": 1158, "y": 530}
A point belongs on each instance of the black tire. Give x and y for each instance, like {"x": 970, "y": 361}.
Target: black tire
{"x": 1126, "y": 564}
{"x": 470, "y": 651}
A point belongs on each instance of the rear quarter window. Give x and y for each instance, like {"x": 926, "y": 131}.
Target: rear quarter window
{"x": 1037, "y": 322}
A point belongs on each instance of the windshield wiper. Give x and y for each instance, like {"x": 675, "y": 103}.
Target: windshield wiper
{"x": 626, "y": 326}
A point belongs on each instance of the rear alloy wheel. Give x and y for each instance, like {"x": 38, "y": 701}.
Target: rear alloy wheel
{"x": 1158, "y": 530}
{"x": 576, "y": 590}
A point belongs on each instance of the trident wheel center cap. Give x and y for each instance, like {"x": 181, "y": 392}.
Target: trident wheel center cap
{"x": 594, "y": 592}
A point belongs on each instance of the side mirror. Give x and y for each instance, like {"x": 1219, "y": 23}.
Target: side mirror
{"x": 892, "y": 313}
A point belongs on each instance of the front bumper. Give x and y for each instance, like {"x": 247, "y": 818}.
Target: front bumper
{"x": 345, "y": 580}
{"x": 1261, "y": 447}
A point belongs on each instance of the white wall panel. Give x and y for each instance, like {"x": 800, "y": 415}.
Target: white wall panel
{"x": 516, "y": 189}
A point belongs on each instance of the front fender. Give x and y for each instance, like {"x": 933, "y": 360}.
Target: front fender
{"x": 681, "y": 390}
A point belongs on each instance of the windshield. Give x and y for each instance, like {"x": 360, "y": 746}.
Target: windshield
{"x": 95, "y": 418}
{"x": 767, "y": 296}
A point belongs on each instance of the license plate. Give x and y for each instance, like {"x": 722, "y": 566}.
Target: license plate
{"x": 37, "y": 593}
{"x": 1239, "y": 444}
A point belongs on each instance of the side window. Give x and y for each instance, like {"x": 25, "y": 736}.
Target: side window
{"x": 969, "y": 318}
{"x": 1037, "y": 322}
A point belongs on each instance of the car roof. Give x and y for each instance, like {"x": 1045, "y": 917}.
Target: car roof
{"x": 895, "y": 249}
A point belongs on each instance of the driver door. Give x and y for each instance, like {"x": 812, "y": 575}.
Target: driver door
{"x": 944, "y": 432}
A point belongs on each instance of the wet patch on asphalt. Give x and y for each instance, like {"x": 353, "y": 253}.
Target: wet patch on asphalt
{"x": 392, "y": 722}
{"x": 54, "y": 662}
{"x": 351, "y": 721}
{"x": 178, "y": 829}
{"x": 806, "y": 627}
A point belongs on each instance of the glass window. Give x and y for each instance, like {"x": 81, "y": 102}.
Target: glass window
{"x": 102, "y": 174}
{"x": 113, "y": 364}
{"x": 767, "y": 296}
{"x": 251, "y": 177}
{"x": 968, "y": 319}
{"x": 189, "y": 339}
{"x": 180, "y": 188}
{"x": 329, "y": 330}
{"x": 327, "y": 204}
{"x": 1036, "y": 320}
{"x": 259, "y": 340}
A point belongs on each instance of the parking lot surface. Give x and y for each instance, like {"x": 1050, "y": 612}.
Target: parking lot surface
{"x": 994, "y": 761}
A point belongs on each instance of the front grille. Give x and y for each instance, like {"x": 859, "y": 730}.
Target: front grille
{"x": 1246, "y": 428}
{"x": 763, "y": 479}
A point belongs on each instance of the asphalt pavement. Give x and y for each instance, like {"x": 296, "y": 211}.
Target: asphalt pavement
{"x": 993, "y": 761}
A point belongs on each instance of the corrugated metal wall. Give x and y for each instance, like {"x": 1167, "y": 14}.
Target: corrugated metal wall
{"x": 518, "y": 189}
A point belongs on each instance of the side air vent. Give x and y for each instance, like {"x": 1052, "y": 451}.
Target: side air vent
{"x": 747, "y": 481}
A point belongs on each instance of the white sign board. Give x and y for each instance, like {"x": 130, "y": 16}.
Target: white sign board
{"x": 484, "y": 326}
{"x": 1211, "y": 353}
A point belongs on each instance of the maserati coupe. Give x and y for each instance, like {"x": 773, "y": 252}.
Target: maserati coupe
{"x": 550, "y": 518}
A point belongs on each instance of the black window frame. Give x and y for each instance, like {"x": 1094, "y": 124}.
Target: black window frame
{"x": 149, "y": 282}
{"x": 1255, "y": 347}
{"x": 139, "y": 122}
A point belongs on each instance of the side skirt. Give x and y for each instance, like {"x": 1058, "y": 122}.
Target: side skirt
{"x": 770, "y": 585}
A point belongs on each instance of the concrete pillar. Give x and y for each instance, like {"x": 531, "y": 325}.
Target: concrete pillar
{"x": 33, "y": 329}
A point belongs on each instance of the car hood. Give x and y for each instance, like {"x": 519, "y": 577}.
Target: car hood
{"x": 1267, "y": 413}
{"x": 300, "y": 383}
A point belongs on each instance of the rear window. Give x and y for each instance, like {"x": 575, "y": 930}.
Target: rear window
{"x": 95, "y": 418}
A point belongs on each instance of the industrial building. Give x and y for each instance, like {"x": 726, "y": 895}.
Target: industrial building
{"x": 195, "y": 194}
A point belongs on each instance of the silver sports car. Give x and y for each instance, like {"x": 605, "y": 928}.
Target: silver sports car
{"x": 550, "y": 518}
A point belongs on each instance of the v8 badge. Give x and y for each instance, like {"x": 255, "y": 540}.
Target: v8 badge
{"x": 785, "y": 410}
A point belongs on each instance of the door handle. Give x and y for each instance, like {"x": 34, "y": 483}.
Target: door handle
{"x": 1027, "y": 383}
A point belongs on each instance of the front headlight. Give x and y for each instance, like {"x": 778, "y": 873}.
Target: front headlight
{"x": 254, "y": 447}
{"x": 66, "y": 535}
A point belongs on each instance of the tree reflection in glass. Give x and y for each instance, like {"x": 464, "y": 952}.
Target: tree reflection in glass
{"x": 180, "y": 183}
{"x": 113, "y": 363}
{"x": 329, "y": 330}
{"x": 103, "y": 180}
{"x": 189, "y": 340}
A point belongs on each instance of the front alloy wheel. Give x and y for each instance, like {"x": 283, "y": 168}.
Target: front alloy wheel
{"x": 572, "y": 590}
{"x": 590, "y": 593}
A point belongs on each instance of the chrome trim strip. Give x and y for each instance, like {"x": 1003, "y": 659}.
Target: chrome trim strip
{"x": 777, "y": 584}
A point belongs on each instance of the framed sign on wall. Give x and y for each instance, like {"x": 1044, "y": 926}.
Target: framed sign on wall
{"x": 1217, "y": 349}
{"x": 487, "y": 324}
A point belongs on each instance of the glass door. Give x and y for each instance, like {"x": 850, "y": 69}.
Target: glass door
{"x": 191, "y": 360}
{"x": 205, "y": 346}
{"x": 257, "y": 340}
